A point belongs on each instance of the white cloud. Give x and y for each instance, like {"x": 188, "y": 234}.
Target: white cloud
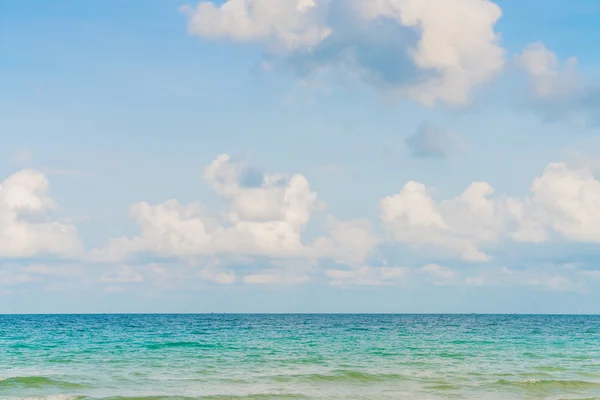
{"x": 220, "y": 277}
{"x": 439, "y": 275}
{"x": 558, "y": 88}
{"x": 266, "y": 216}
{"x": 435, "y": 50}
{"x": 367, "y": 276}
{"x": 26, "y": 229}
{"x": 457, "y": 41}
{"x": 289, "y": 24}
{"x": 262, "y": 220}
{"x": 566, "y": 200}
{"x": 166, "y": 228}
{"x": 529, "y": 229}
{"x": 347, "y": 242}
{"x": 455, "y": 226}
{"x": 549, "y": 80}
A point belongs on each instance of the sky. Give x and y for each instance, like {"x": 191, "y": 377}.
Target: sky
{"x": 393, "y": 156}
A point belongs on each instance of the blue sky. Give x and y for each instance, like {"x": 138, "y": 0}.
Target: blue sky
{"x": 110, "y": 110}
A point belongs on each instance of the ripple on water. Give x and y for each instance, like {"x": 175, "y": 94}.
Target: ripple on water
{"x": 54, "y": 397}
{"x": 551, "y": 383}
{"x": 256, "y": 396}
{"x": 37, "y": 382}
{"x": 341, "y": 376}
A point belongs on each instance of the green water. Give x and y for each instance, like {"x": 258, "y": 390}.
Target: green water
{"x": 299, "y": 357}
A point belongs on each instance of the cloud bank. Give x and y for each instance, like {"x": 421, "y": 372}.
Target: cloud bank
{"x": 266, "y": 217}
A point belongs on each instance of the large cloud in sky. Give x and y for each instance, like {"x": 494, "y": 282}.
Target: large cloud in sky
{"x": 266, "y": 216}
{"x": 429, "y": 50}
{"x": 563, "y": 201}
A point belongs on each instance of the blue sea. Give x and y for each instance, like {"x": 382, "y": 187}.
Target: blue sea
{"x": 123, "y": 357}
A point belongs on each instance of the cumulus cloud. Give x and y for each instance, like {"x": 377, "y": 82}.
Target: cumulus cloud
{"x": 548, "y": 79}
{"x": 457, "y": 41}
{"x": 289, "y": 24}
{"x": 265, "y": 217}
{"x": 428, "y": 50}
{"x": 563, "y": 201}
{"x": 347, "y": 242}
{"x": 263, "y": 220}
{"x": 454, "y": 226}
{"x": 430, "y": 141}
{"x": 26, "y": 226}
{"x": 439, "y": 275}
{"x": 566, "y": 201}
{"x": 558, "y": 89}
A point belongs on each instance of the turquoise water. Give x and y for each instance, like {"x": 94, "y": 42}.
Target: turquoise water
{"x": 299, "y": 357}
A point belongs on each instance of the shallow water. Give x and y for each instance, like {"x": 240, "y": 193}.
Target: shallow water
{"x": 299, "y": 357}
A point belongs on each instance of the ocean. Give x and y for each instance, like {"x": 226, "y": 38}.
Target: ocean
{"x": 227, "y": 356}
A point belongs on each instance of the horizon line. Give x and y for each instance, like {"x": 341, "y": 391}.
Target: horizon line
{"x": 297, "y": 313}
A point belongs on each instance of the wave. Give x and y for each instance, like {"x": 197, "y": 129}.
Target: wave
{"x": 266, "y": 396}
{"x": 552, "y": 383}
{"x": 55, "y": 397}
{"x": 257, "y": 396}
{"x": 551, "y": 368}
{"x": 341, "y": 376}
{"x": 150, "y": 398}
{"x": 36, "y": 382}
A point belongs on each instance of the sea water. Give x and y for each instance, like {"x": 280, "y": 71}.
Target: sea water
{"x": 299, "y": 357}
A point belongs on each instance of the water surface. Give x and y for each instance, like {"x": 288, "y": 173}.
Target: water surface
{"x": 299, "y": 357}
